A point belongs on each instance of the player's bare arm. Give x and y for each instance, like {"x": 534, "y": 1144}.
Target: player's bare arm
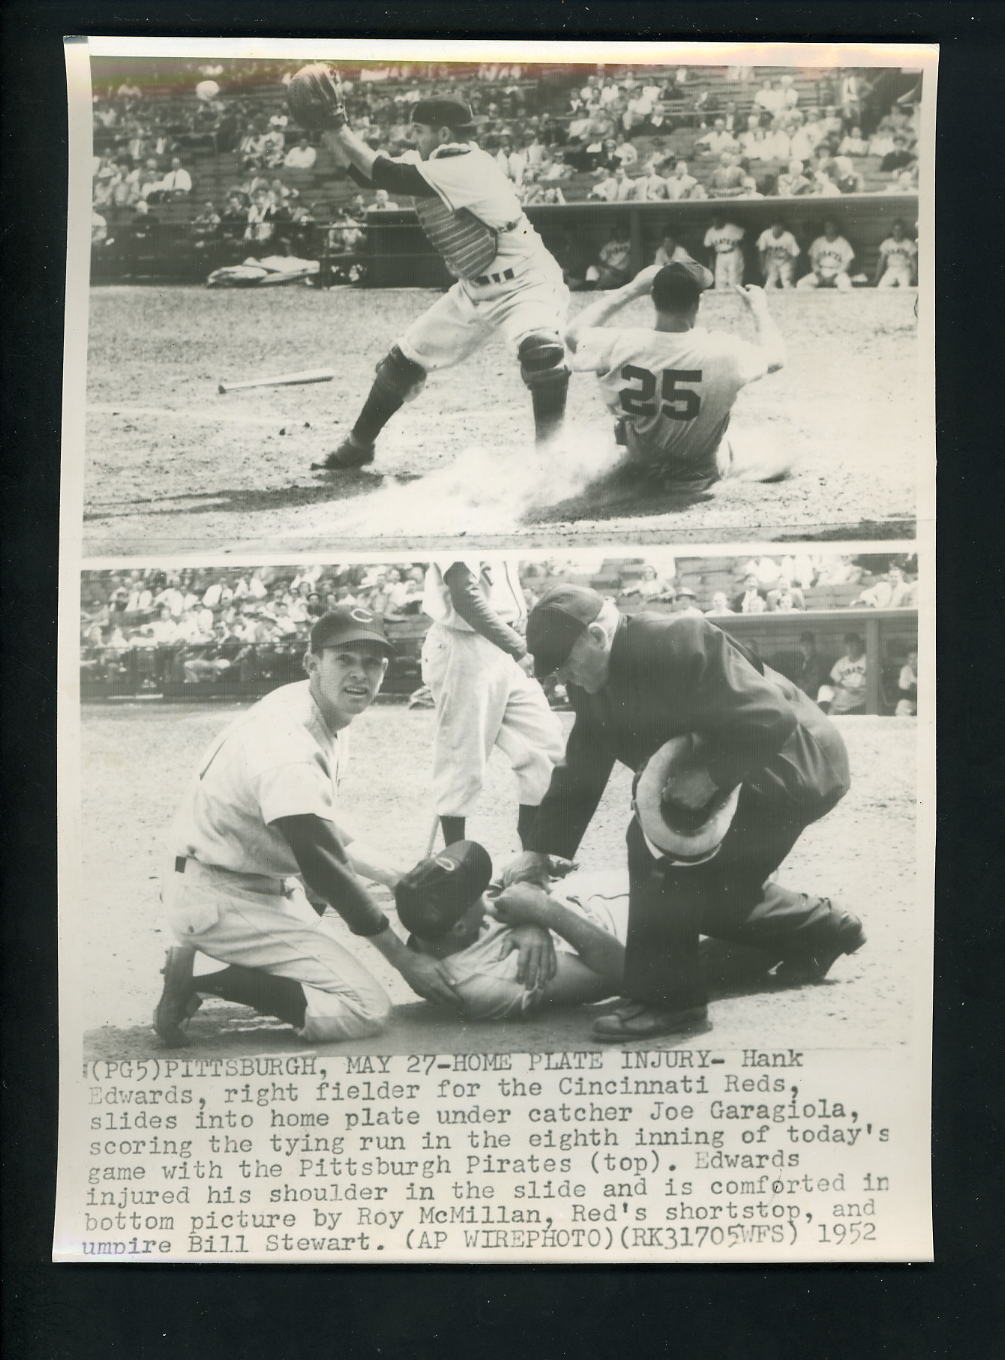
{"x": 325, "y": 865}
{"x": 602, "y": 953}
{"x": 600, "y": 312}
{"x": 769, "y": 337}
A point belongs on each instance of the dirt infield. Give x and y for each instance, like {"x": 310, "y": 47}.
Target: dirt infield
{"x": 175, "y": 468}
{"x": 138, "y": 757}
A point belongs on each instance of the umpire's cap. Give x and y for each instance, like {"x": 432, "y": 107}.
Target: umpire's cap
{"x": 435, "y": 894}
{"x": 555, "y": 623}
{"x": 345, "y": 627}
{"x": 679, "y": 285}
{"x": 437, "y": 113}
{"x": 672, "y": 831}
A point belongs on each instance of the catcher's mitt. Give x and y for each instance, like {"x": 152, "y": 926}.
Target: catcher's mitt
{"x": 315, "y": 100}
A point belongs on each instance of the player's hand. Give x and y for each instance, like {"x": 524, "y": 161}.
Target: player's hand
{"x": 429, "y": 979}
{"x": 537, "y": 963}
{"x": 691, "y": 789}
{"x": 533, "y": 867}
{"x": 754, "y": 296}
{"x": 521, "y": 904}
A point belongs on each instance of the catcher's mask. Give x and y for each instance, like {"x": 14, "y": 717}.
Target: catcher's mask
{"x": 673, "y": 832}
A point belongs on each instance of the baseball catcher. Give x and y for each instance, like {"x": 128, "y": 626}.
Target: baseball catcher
{"x": 469, "y": 210}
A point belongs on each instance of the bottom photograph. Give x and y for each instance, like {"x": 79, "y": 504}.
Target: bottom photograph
{"x": 488, "y": 805}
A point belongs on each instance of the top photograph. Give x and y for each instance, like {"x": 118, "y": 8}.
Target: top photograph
{"x": 388, "y": 302}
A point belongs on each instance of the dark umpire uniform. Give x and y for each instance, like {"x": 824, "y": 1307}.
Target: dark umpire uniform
{"x": 669, "y": 676}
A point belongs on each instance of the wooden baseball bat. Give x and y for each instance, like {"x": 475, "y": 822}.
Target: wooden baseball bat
{"x": 313, "y": 375}
{"x": 432, "y": 836}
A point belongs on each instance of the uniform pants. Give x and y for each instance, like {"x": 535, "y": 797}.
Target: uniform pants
{"x": 467, "y": 314}
{"x": 484, "y": 699}
{"x": 895, "y": 278}
{"x": 728, "y": 268}
{"x": 268, "y": 924}
{"x": 839, "y": 281}
{"x": 779, "y": 274}
{"x": 728, "y": 897}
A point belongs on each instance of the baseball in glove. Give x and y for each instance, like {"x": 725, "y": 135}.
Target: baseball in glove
{"x": 315, "y": 100}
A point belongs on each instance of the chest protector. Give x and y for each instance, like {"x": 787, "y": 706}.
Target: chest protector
{"x": 467, "y": 245}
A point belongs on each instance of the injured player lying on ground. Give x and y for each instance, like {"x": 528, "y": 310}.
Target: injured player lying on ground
{"x": 523, "y": 942}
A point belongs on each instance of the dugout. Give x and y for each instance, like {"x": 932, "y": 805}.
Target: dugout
{"x": 399, "y": 256}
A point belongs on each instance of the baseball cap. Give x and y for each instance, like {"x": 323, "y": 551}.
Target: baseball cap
{"x": 437, "y": 892}
{"x": 346, "y": 625}
{"x": 451, "y": 113}
{"x": 555, "y": 623}
{"x": 679, "y": 284}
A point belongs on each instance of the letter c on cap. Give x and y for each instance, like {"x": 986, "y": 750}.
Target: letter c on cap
{"x": 360, "y": 615}
{"x": 446, "y": 864}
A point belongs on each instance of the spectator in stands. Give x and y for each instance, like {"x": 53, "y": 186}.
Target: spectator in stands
{"x": 823, "y": 174}
{"x": 727, "y": 177}
{"x": 532, "y": 191}
{"x": 802, "y": 140}
{"x": 206, "y": 227}
{"x": 718, "y": 141}
{"x": 681, "y": 184}
{"x": 149, "y": 180}
{"x": 843, "y": 173}
{"x": 899, "y": 157}
{"x": 830, "y": 258}
{"x": 625, "y": 154}
{"x": 853, "y": 143}
{"x": 302, "y": 156}
{"x": 811, "y": 671}
{"x": 794, "y": 183}
{"x": 649, "y": 188}
{"x": 748, "y": 188}
{"x": 752, "y": 139}
{"x": 845, "y": 694}
{"x": 907, "y": 687}
{"x": 778, "y": 251}
{"x": 686, "y": 602}
{"x": 724, "y": 242}
{"x": 830, "y": 123}
{"x": 784, "y": 599}
{"x": 555, "y": 169}
{"x": 720, "y": 604}
{"x": 851, "y": 89}
{"x": 613, "y": 188}
{"x": 904, "y": 182}
{"x": 896, "y": 264}
{"x": 789, "y": 94}
{"x": 382, "y": 202}
{"x": 613, "y": 265}
{"x": 894, "y": 590}
{"x": 263, "y": 218}
{"x": 770, "y": 98}
{"x": 99, "y": 230}
{"x": 751, "y": 598}
{"x": 177, "y": 183}
{"x": 776, "y": 145}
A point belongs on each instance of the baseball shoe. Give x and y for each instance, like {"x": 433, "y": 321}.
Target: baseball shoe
{"x": 638, "y": 1020}
{"x": 349, "y": 455}
{"x": 179, "y": 1000}
{"x": 813, "y": 965}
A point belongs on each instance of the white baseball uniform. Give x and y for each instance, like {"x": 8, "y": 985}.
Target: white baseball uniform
{"x": 483, "y": 698}
{"x": 725, "y": 242}
{"x": 780, "y": 254}
{"x": 899, "y": 259}
{"x": 673, "y": 392}
{"x": 830, "y": 261}
{"x": 518, "y": 291}
{"x": 484, "y": 974}
{"x": 235, "y": 890}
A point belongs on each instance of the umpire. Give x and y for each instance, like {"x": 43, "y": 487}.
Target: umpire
{"x": 634, "y": 684}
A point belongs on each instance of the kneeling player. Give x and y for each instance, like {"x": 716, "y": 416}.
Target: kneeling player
{"x": 672, "y": 386}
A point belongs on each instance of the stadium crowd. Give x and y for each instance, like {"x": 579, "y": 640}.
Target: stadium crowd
{"x": 245, "y": 630}
{"x": 565, "y": 135}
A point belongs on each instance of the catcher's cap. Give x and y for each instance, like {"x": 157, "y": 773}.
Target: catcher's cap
{"x": 671, "y": 831}
{"x": 556, "y": 622}
{"x": 346, "y": 626}
{"x": 435, "y": 894}
{"x": 679, "y": 284}
{"x": 437, "y": 113}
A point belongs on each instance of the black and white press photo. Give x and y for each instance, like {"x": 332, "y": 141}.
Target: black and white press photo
{"x": 332, "y": 300}
{"x": 497, "y": 688}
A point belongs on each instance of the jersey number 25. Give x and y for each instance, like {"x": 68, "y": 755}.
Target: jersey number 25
{"x": 675, "y": 401}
